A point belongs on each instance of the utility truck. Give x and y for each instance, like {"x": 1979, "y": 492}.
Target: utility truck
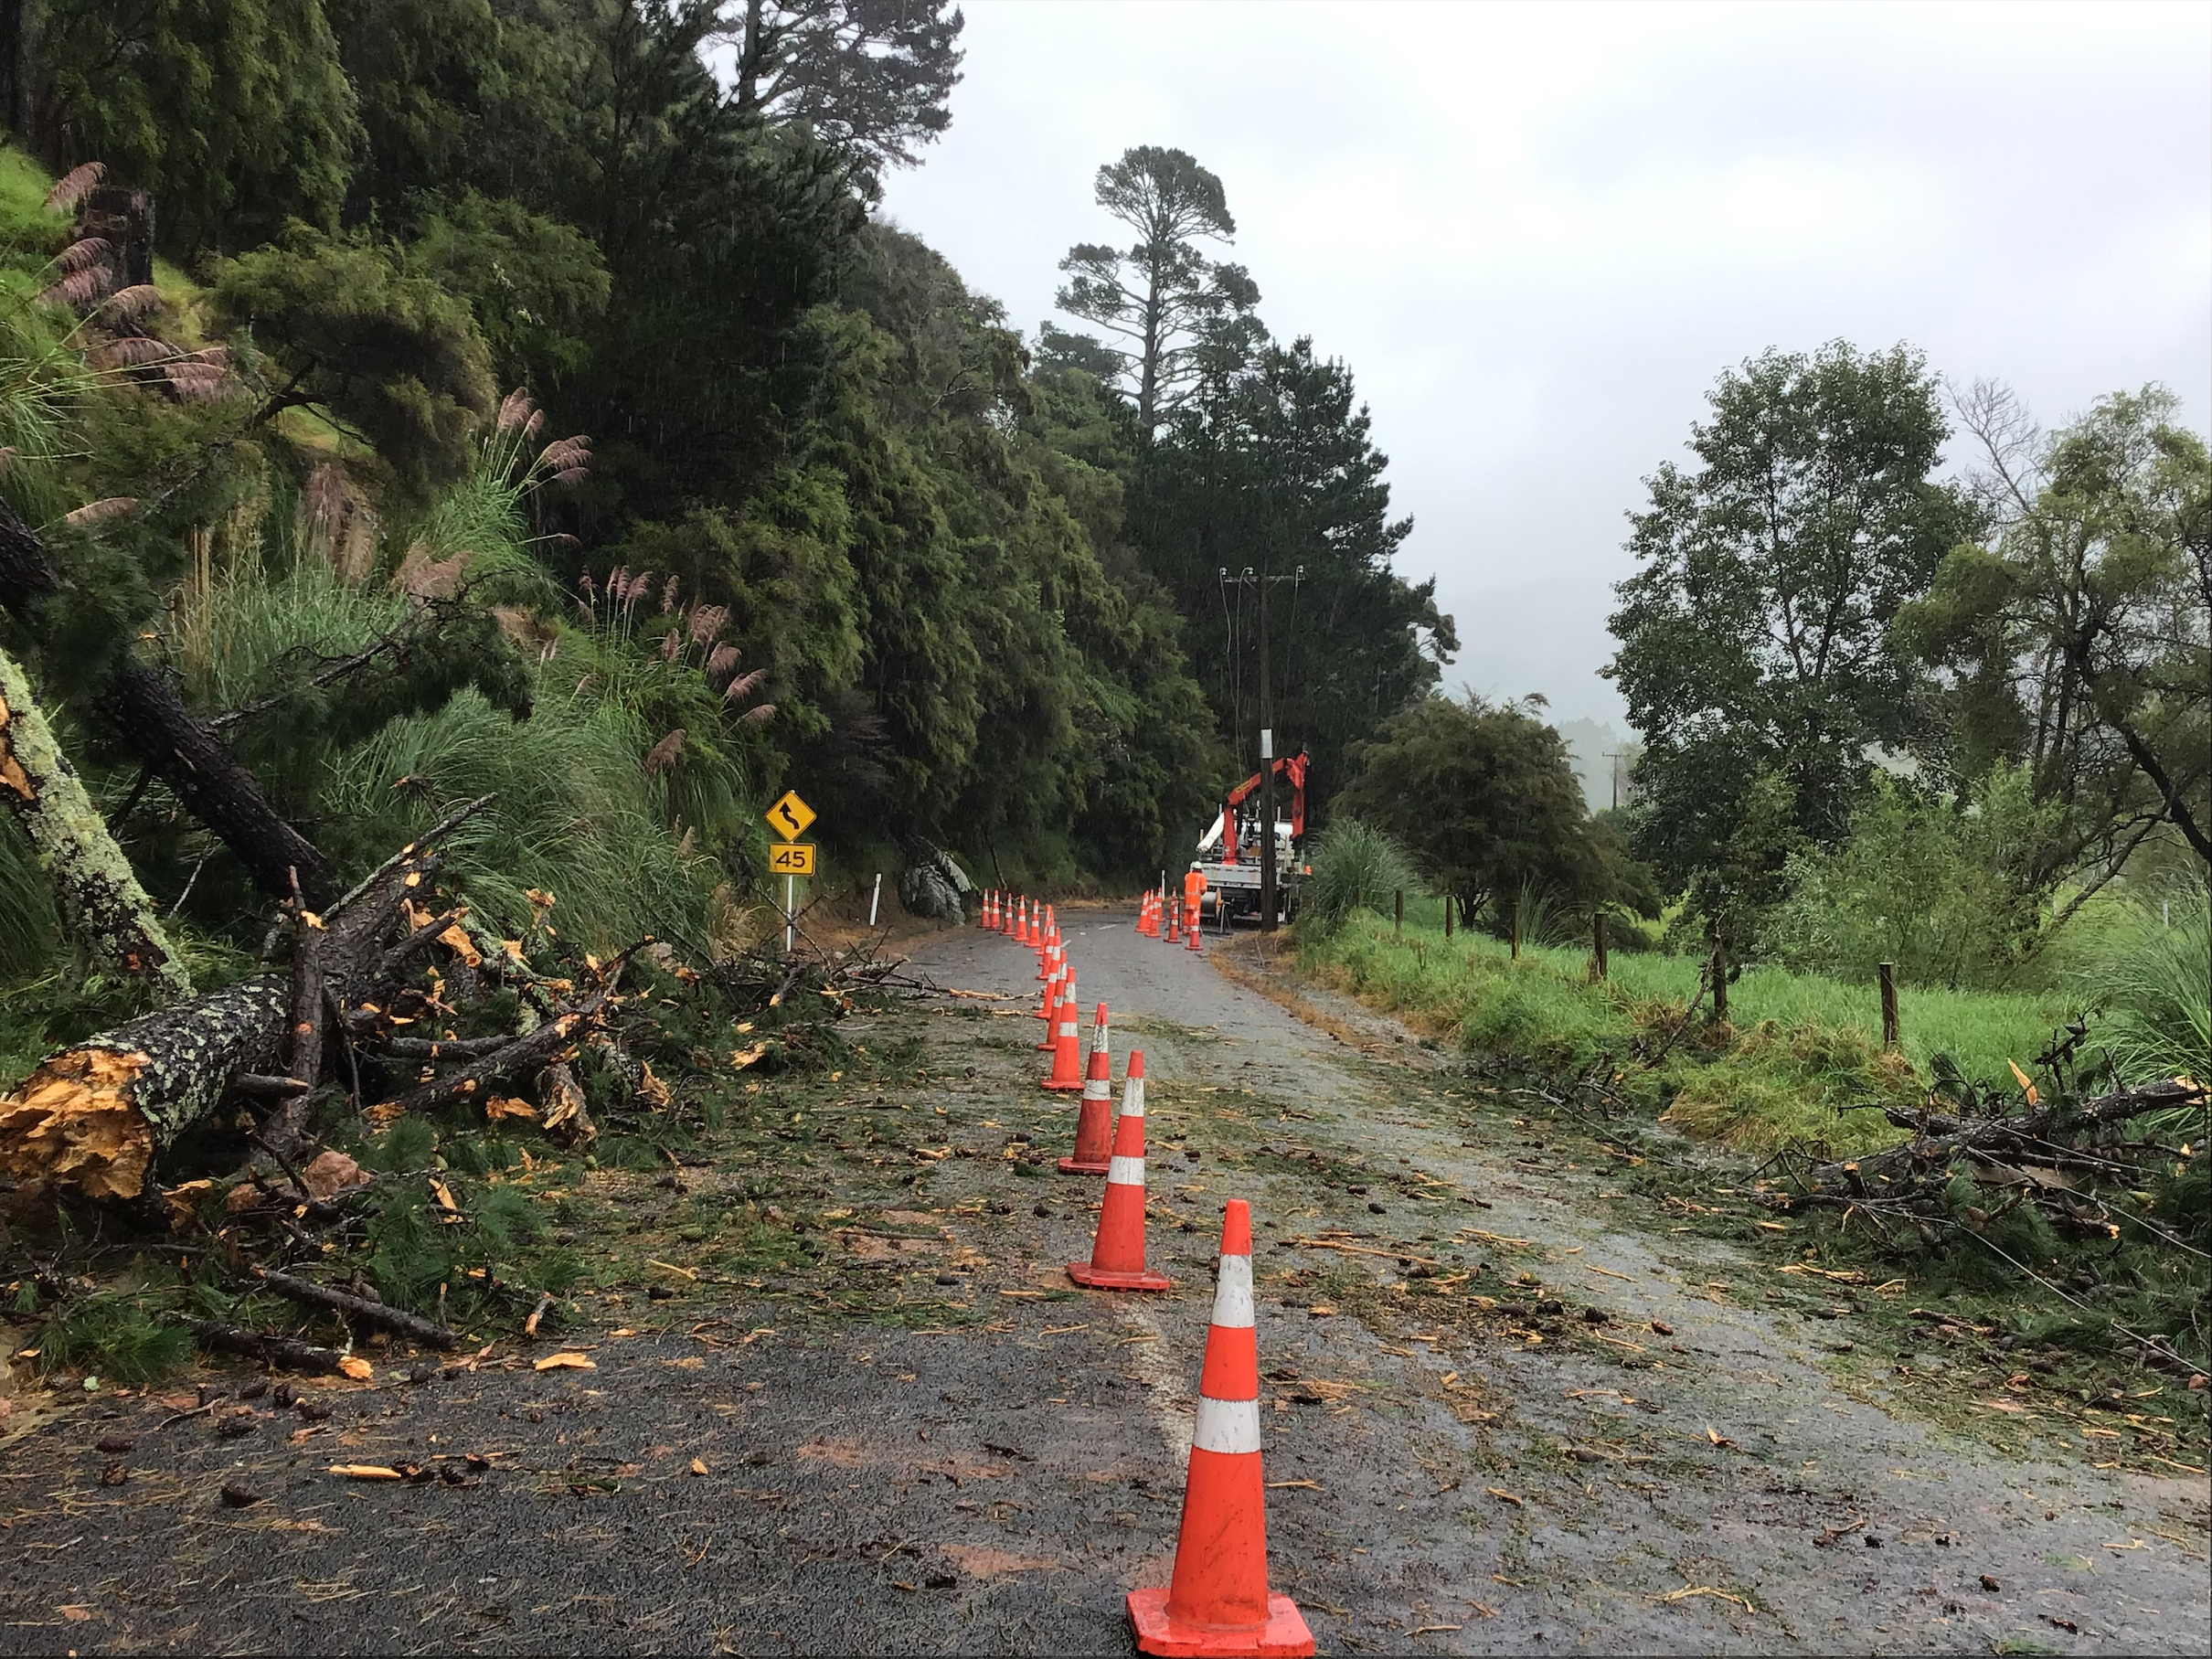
{"x": 1228, "y": 853}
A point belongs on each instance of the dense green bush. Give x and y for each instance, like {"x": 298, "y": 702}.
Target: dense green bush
{"x": 1942, "y": 886}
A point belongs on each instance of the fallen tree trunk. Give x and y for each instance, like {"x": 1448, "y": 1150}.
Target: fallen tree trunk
{"x": 200, "y": 771}
{"x": 103, "y": 909}
{"x": 182, "y": 749}
{"x": 94, "y": 1115}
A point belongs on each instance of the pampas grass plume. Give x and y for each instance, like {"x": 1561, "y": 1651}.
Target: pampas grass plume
{"x": 74, "y": 186}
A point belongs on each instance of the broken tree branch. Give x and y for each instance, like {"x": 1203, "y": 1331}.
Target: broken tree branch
{"x": 425, "y": 1331}
{"x": 1940, "y": 1137}
{"x": 531, "y": 1052}
{"x": 288, "y": 1352}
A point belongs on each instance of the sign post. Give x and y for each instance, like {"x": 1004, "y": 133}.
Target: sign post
{"x": 789, "y": 818}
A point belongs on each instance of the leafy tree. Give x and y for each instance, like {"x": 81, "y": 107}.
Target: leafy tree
{"x": 393, "y": 358}
{"x": 1272, "y": 470}
{"x": 1024, "y": 692}
{"x": 537, "y": 288}
{"x": 1756, "y": 653}
{"x": 871, "y": 77}
{"x": 1179, "y": 315}
{"x": 2074, "y": 637}
{"x": 457, "y": 94}
{"x": 1486, "y": 798}
{"x": 236, "y": 114}
{"x": 1942, "y": 886}
{"x": 718, "y": 236}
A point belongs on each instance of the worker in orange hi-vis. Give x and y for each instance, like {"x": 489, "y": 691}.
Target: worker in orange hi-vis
{"x": 1194, "y": 894}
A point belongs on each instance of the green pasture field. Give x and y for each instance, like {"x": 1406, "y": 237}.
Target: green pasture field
{"x": 1798, "y": 1049}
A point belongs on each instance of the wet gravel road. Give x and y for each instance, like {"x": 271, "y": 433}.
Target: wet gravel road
{"x": 1504, "y": 1412}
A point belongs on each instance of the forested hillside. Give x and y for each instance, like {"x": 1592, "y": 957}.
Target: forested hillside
{"x": 408, "y": 402}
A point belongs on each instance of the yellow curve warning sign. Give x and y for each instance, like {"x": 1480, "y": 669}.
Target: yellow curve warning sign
{"x": 790, "y": 816}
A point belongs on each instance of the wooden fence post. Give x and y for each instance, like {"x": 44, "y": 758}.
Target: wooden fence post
{"x": 1450, "y": 904}
{"x": 1399, "y": 909}
{"x": 1513, "y": 933}
{"x": 1597, "y": 941}
{"x": 1888, "y": 973}
{"x": 1720, "y": 978}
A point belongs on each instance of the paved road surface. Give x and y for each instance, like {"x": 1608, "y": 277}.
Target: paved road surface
{"x": 922, "y": 1486}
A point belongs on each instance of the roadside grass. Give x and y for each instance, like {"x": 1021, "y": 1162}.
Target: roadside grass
{"x": 1798, "y": 1049}
{"x": 1949, "y": 1329}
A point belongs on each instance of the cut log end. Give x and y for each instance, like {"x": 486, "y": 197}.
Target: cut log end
{"x": 74, "y": 1120}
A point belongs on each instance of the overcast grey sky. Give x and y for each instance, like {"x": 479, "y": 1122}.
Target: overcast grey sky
{"x": 1537, "y": 233}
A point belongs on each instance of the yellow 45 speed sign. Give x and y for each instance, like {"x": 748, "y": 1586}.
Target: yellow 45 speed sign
{"x": 789, "y": 856}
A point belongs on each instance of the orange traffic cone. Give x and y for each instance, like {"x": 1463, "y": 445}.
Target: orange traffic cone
{"x": 1094, "y": 1128}
{"x": 1117, "y": 1254}
{"x": 1217, "y": 1601}
{"x": 1191, "y": 932}
{"x": 1047, "y": 960}
{"x": 983, "y": 920}
{"x": 1062, "y": 981}
{"x": 1005, "y": 915}
{"x": 1067, "y": 1075}
{"x": 1174, "y": 918}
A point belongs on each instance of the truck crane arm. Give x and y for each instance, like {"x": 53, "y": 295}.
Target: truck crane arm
{"x": 1293, "y": 768}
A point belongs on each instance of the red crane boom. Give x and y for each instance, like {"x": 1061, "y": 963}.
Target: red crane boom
{"x": 1291, "y": 767}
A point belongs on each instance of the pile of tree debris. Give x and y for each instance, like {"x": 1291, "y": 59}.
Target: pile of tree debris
{"x": 2075, "y": 1158}
{"x": 93, "y": 1117}
{"x": 394, "y": 1004}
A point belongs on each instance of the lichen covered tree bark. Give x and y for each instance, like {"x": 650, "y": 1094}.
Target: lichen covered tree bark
{"x": 93, "y": 1116}
{"x": 106, "y": 911}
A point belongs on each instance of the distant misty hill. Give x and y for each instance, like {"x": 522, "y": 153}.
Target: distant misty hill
{"x": 1590, "y": 743}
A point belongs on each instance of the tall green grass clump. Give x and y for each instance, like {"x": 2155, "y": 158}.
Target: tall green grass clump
{"x": 577, "y": 814}
{"x": 2153, "y": 978}
{"x": 1354, "y": 869}
{"x": 615, "y": 762}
